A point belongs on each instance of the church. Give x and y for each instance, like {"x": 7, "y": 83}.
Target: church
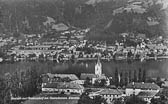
{"x": 98, "y": 75}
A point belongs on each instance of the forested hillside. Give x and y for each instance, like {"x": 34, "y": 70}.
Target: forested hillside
{"x": 104, "y": 17}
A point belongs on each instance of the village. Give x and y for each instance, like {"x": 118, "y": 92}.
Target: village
{"x": 70, "y": 87}
{"x": 73, "y": 45}
{"x": 83, "y": 52}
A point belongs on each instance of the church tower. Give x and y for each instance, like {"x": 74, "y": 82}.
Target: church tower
{"x": 98, "y": 68}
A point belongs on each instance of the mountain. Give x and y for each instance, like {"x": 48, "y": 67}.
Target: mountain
{"x": 106, "y": 18}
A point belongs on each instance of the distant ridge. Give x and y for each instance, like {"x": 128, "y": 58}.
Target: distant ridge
{"x": 107, "y": 17}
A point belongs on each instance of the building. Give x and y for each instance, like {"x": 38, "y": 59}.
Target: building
{"x": 98, "y": 68}
{"x": 51, "y": 43}
{"x": 93, "y": 77}
{"x": 108, "y": 94}
{"x": 62, "y": 88}
{"x": 51, "y": 78}
{"x": 154, "y": 46}
{"x": 147, "y": 95}
{"x": 165, "y": 84}
{"x": 80, "y": 82}
{"x": 38, "y": 47}
{"x": 136, "y": 88}
{"x": 97, "y": 75}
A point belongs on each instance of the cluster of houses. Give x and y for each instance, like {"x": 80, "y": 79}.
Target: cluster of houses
{"x": 72, "y": 43}
{"x": 87, "y": 51}
{"x": 70, "y": 84}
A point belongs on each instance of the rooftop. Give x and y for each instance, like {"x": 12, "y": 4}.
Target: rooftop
{"x": 110, "y": 92}
{"x": 105, "y": 92}
{"x": 40, "y": 46}
{"x": 63, "y": 85}
{"x": 152, "y": 86}
{"x": 57, "y": 95}
{"x": 87, "y": 75}
{"x": 90, "y": 76}
{"x": 70, "y": 76}
{"x": 147, "y": 94}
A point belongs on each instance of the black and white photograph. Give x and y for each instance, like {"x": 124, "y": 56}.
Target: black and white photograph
{"x": 83, "y": 51}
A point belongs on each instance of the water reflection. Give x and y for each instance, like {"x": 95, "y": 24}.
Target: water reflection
{"x": 152, "y": 67}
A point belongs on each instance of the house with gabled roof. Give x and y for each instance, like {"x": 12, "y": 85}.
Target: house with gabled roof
{"x": 147, "y": 95}
{"x": 63, "y": 87}
{"x": 48, "y": 78}
{"x": 136, "y": 88}
{"x": 108, "y": 94}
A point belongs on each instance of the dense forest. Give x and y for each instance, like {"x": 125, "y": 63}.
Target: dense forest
{"x": 104, "y": 17}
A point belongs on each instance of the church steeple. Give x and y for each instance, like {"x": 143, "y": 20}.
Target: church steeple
{"x": 98, "y": 67}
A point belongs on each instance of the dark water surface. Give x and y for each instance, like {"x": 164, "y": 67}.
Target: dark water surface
{"x": 152, "y": 67}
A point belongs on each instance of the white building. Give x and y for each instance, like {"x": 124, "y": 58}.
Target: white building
{"x": 98, "y": 68}
{"x": 62, "y": 87}
{"x": 97, "y": 76}
{"x": 80, "y": 82}
{"x": 108, "y": 94}
{"x": 52, "y": 78}
{"x": 136, "y": 88}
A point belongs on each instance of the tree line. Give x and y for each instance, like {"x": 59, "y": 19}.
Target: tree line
{"x": 120, "y": 79}
{"x": 19, "y": 84}
{"x": 123, "y": 78}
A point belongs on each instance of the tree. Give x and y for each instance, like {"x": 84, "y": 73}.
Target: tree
{"x": 119, "y": 101}
{"x": 135, "y": 76}
{"x": 2, "y": 54}
{"x": 0, "y": 16}
{"x": 41, "y": 57}
{"x": 126, "y": 78}
{"x": 27, "y": 83}
{"x": 102, "y": 83}
{"x": 144, "y": 76}
{"x": 66, "y": 79}
{"x": 140, "y": 75}
{"x": 150, "y": 80}
{"x": 130, "y": 78}
{"x": 116, "y": 78}
{"x": 159, "y": 82}
{"x": 15, "y": 83}
{"x": 87, "y": 82}
{"x": 34, "y": 80}
{"x": 161, "y": 100}
{"x": 135, "y": 100}
{"x": 85, "y": 99}
{"x": 73, "y": 58}
{"x": 121, "y": 80}
{"x": 16, "y": 34}
{"x": 99, "y": 100}
{"x": 97, "y": 83}
{"x": 4, "y": 92}
{"x": 2, "y": 89}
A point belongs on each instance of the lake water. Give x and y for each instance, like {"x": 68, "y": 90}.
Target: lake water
{"x": 152, "y": 67}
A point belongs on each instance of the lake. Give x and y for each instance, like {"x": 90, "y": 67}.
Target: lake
{"x": 152, "y": 67}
